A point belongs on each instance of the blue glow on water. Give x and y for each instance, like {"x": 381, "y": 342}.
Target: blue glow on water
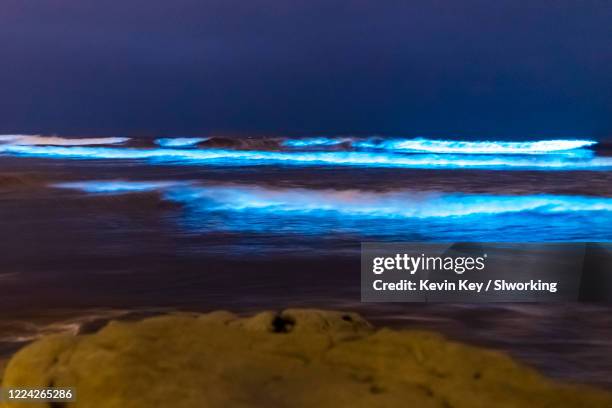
{"x": 402, "y": 204}
{"x": 117, "y": 186}
{"x": 399, "y": 215}
{"x": 314, "y": 142}
{"x": 481, "y": 147}
{"x": 227, "y": 157}
{"x": 394, "y": 215}
{"x": 180, "y": 141}
{"x": 423, "y": 145}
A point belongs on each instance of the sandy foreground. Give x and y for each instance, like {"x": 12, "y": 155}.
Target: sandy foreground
{"x": 293, "y": 358}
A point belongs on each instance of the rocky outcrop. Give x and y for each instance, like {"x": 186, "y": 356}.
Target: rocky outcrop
{"x": 296, "y": 358}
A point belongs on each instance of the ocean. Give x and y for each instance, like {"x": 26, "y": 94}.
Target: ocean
{"x": 111, "y": 227}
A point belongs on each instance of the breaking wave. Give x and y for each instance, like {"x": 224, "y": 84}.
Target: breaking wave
{"x": 180, "y": 141}
{"x": 117, "y": 186}
{"x": 232, "y": 157}
{"x": 394, "y": 204}
{"x": 298, "y": 214}
{"x": 422, "y": 145}
{"x": 317, "y": 142}
{"x": 402, "y": 204}
{"x": 483, "y": 147}
{"x": 34, "y": 140}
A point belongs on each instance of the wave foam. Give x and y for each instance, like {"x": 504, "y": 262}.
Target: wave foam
{"x": 480, "y": 147}
{"x": 392, "y": 204}
{"x": 315, "y": 142}
{"x": 34, "y": 140}
{"x": 180, "y": 141}
{"x": 117, "y": 186}
{"x": 398, "y": 204}
{"x": 422, "y": 145}
{"x": 342, "y": 158}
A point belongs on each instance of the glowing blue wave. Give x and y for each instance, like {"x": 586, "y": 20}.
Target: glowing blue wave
{"x": 419, "y": 145}
{"x": 180, "y": 141}
{"x": 397, "y": 215}
{"x": 402, "y": 204}
{"x": 352, "y": 158}
{"x": 118, "y": 186}
{"x": 481, "y": 147}
{"x": 314, "y": 142}
{"x": 394, "y": 204}
{"x": 422, "y": 145}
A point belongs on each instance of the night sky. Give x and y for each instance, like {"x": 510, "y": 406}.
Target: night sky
{"x": 440, "y": 68}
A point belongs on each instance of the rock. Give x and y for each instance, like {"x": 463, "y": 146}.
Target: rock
{"x": 295, "y": 358}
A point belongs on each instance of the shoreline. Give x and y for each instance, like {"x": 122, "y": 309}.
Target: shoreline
{"x": 512, "y": 329}
{"x": 278, "y": 344}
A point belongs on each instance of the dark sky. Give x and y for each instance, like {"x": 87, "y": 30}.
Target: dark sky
{"x": 468, "y": 68}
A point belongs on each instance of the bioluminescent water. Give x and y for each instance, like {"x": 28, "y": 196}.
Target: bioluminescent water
{"x": 179, "y": 141}
{"x": 394, "y": 204}
{"x": 315, "y": 142}
{"x": 581, "y": 159}
{"x": 423, "y": 145}
{"x": 207, "y": 223}
{"x": 344, "y": 189}
{"x": 391, "y": 215}
{"x": 117, "y": 186}
{"x": 486, "y": 147}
